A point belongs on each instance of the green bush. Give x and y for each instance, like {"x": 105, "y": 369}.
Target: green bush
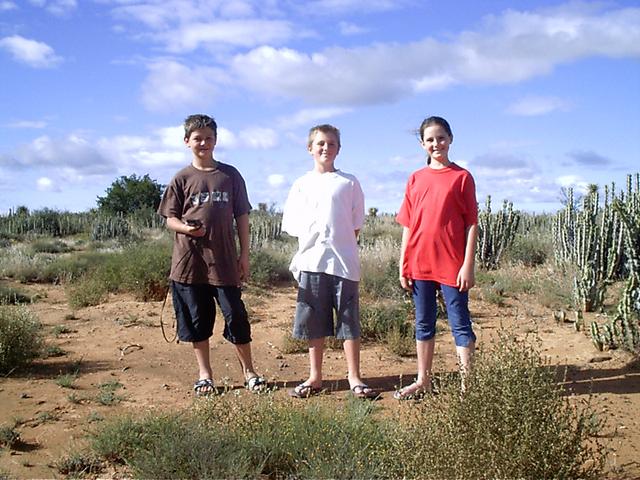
{"x": 268, "y": 267}
{"x": 20, "y": 337}
{"x": 380, "y": 277}
{"x": 529, "y": 250}
{"x": 379, "y": 318}
{"x": 49, "y": 246}
{"x": 514, "y": 421}
{"x": 145, "y": 270}
{"x": 12, "y": 296}
{"x": 86, "y": 292}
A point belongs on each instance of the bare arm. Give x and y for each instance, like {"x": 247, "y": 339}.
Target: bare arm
{"x": 406, "y": 282}
{"x": 466, "y": 276}
{"x": 242, "y": 223}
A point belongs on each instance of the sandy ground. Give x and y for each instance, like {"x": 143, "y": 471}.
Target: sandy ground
{"x": 121, "y": 341}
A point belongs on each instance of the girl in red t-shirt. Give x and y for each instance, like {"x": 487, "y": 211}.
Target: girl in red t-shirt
{"x": 439, "y": 216}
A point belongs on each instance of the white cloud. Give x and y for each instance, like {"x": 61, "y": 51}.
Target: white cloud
{"x": 536, "y": 105}
{"x": 237, "y": 33}
{"x": 573, "y": 181}
{"x": 227, "y": 140}
{"x": 5, "y": 6}
{"x": 259, "y": 138}
{"x": 45, "y": 184}
{"x": 72, "y": 151}
{"x": 308, "y": 116}
{"x": 30, "y": 52}
{"x": 276, "y": 180}
{"x": 509, "y": 48}
{"x": 348, "y": 28}
{"x": 171, "y": 85}
{"x": 333, "y": 7}
{"x": 35, "y": 124}
{"x": 56, "y": 7}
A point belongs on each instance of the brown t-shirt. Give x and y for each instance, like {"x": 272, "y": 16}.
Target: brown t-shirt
{"x": 215, "y": 198}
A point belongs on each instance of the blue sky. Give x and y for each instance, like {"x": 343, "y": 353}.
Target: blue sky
{"x": 540, "y": 95}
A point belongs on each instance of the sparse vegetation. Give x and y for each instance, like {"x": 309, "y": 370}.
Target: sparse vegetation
{"x": 516, "y": 408}
{"x": 21, "y": 339}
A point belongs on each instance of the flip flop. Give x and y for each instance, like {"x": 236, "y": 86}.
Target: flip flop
{"x": 412, "y": 391}
{"x": 204, "y": 387}
{"x": 256, "y": 384}
{"x": 304, "y": 391}
{"x": 363, "y": 391}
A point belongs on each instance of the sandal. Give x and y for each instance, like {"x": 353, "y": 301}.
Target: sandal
{"x": 412, "y": 391}
{"x": 204, "y": 387}
{"x": 255, "y": 384}
{"x": 304, "y": 390}
{"x": 363, "y": 391}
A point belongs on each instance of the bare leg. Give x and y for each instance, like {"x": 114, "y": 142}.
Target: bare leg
{"x": 465, "y": 357}
{"x": 424, "y": 349}
{"x": 352, "y": 354}
{"x": 316, "y": 352}
{"x": 201, "y": 349}
{"x": 243, "y": 352}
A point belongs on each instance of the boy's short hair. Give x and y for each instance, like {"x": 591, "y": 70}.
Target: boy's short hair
{"x": 324, "y": 128}
{"x": 198, "y": 121}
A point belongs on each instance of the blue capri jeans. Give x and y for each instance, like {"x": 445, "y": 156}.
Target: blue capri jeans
{"x": 457, "y": 303}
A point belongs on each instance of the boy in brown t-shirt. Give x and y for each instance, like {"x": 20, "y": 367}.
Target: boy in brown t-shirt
{"x": 201, "y": 203}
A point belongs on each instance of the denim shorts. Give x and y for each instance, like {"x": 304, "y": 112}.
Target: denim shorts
{"x": 457, "y": 303}
{"x": 319, "y": 295}
{"x": 195, "y": 307}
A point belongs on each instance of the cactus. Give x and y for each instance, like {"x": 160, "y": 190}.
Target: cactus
{"x": 624, "y": 329}
{"x": 591, "y": 240}
{"x": 496, "y": 233}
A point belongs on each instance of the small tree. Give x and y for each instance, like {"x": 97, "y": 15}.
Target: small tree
{"x": 129, "y": 194}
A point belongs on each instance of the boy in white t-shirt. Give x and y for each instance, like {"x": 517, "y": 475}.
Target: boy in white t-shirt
{"x": 325, "y": 210}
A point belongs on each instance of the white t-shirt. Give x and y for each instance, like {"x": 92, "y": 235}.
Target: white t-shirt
{"x": 324, "y": 210}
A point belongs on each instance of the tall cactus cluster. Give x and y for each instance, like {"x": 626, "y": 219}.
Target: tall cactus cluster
{"x": 590, "y": 239}
{"x": 496, "y": 233}
{"x": 602, "y": 242}
{"x": 624, "y": 329}
{"x": 264, "y": 227}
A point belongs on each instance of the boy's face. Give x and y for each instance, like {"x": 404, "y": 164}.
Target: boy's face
{"x": 201, "y": 142}
{"x": 324, "y": 148}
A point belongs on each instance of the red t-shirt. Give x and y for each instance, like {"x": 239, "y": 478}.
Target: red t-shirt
{"x": 438, "y": 207}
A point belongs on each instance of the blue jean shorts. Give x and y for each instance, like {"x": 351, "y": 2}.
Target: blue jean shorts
{"x": 195, "y": 307}
{"x": 319, "y": 295}
{"x": 457, "y": 303}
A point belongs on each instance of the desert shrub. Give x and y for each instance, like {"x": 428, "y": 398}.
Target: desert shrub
{"x": 78, "y": 464}
{"x": 108, "y": 227}
{"x": 269, "y": 266}
{"x": 13, "y": 296}
{"x": 87, "y": 291}
{"x": 513, "y": 422}
{"x": 379, "y": 318}
{"x": 145, "y": 270}
{"x": 172, "y": 446}
{"x": 529, "y": 250}
{"x": 49, "y": 246}
{"x": 9, "y": 436}
{"x": 379, "y": 265}
{"x": 21, "y": 339}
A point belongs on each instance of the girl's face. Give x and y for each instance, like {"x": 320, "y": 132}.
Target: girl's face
{"x": 436, "y": 141}
{"x": 324, "y": 148}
